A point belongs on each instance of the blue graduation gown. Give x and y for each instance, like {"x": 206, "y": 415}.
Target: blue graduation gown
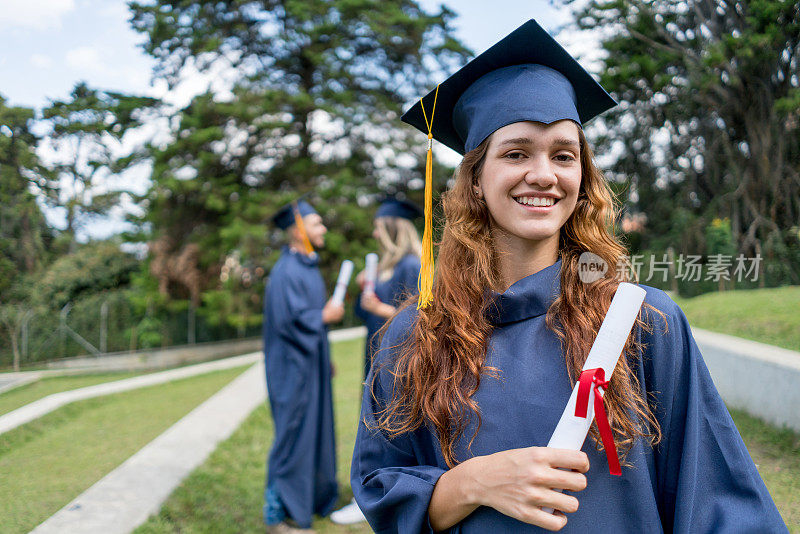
{"x": 699, "y": 479}
{"x": 394, "y": 290}
{"x": 302, "y": 462}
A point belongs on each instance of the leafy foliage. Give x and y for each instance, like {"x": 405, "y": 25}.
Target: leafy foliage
{"x": 24, "y": 235}
{"x": 317, "y": 89}
{"x": 87, "y": 130}
{"x": 707, "y": 126}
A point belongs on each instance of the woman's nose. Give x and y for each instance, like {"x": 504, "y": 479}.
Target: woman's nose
{"x": 540, "y": 172}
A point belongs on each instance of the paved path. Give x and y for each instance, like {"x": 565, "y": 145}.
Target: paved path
{"x": 127, "y": 496}
{"x": 9, "y": 381}
{"x": 47, "y": 404}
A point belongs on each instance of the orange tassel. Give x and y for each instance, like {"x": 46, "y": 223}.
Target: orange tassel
{"x": 298, "y": 220}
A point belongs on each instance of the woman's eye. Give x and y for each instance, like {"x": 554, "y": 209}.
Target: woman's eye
{"x": 515, "y": 155}
{"x": 565, "y": 157}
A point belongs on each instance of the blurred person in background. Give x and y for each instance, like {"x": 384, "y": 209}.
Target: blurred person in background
{"x": 301, "y": 470}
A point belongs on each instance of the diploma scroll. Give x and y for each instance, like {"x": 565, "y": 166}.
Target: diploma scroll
{"x": 345, "y": 272}
{"x": 571, "y": 431}
{"x": 370, "y": 272}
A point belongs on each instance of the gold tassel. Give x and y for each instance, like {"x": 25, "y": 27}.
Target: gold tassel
{"x": 425, "y": 282}
{"x": 298, "y": 220}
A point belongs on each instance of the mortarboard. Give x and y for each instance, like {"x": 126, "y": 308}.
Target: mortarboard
{"x": 293, "y": 213}
{"x": 394, "y": 207}
{"x": 526, "y": 76}
{"x": 284, "y": 218}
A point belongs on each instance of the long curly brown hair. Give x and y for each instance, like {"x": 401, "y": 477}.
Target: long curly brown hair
{"x": 440, "y": 366}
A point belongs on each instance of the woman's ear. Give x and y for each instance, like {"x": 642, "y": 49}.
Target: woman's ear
{"x": 478, "y": 191}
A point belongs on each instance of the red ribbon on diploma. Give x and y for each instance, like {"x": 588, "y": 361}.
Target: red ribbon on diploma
{"x": 596, "y": 378}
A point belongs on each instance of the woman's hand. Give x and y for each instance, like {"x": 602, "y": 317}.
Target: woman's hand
{"x": 517, "y": 483}
{"x": 371, "y": 303}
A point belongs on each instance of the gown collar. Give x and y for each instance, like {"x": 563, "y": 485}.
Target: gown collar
{"x": 311, "y": 260}
{"x": 526, "y": 298}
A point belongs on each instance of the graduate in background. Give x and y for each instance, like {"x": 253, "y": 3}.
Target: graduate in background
{"x": 468, "y": 386}
{"x": 398, "y": 272}
{"x": 301, "y": 470}
{"x": 399, "y": 248}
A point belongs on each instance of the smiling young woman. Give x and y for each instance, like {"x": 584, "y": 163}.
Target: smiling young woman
{"x": 465, "y": 392}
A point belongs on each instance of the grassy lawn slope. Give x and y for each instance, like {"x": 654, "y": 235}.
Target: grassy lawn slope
{"x": 50, "y": 461}
{"x": 769, "y": 316}
{"x": 225, "y": 494}
{"x": 22, "y": 395}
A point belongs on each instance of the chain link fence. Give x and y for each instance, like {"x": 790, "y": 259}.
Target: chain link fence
{"x": 107, "y": 323}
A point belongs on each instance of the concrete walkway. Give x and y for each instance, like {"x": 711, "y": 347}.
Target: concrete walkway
{"x": 127, "y": 496}
{"x": 47, "y": 404}
{"x": 9, "y": 381}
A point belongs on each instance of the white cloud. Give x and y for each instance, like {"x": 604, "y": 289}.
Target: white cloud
{"x": 42, "y": 61}
{"x": 84, "y": 57}
{"x": 36, "y": 14}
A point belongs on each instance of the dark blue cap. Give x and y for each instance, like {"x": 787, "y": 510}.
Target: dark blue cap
{"x": 394, "y": 207}
{"x": 285, "y": 216}
{"x": 527, "y": 76}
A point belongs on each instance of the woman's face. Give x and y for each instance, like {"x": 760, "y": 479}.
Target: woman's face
{"x": 531, "y": 177}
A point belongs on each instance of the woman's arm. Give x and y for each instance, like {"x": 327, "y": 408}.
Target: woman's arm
{"x": 516, "y": 483}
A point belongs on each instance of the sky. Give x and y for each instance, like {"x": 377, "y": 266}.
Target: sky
{"x": 49, "y": 45}
{"x": 46, "y": 46}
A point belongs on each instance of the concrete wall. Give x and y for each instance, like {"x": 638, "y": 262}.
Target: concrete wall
{"x": 760, "y": 379}
{"x": 176, "y": 356}
{"x": 159, "y": 358}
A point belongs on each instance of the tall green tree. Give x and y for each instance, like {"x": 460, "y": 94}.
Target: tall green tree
{"x": 708, "y": 125}
{"x": 85, "y": 142}
{"x": 317, "y": 88}
{"x": 24, "y": 234}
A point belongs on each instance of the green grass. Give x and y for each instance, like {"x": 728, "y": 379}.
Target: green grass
{"x": 225, "y": 495}
{"x": 22, "y": 395}
{"x": 50, "y": 461}
{"x": 776, "y": 452}
{"x": 767, "y": 315}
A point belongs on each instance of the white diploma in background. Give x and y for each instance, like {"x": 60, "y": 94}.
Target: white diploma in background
{"x": 370, "y": 272}
{"x": 571, "y": 431}
{"x": 345, "y": 272}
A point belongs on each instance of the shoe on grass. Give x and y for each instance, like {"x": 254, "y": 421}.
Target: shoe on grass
{"x": 348, "y": 514}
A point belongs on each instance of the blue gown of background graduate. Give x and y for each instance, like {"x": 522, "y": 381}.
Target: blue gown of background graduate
{"x": 699, "y": 479}
{"x": 302, "y": 462}
{"x": 393, "y": 290}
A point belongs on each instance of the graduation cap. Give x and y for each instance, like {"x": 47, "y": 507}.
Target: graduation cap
{"x": 394, "y": 207}
{"x": 526, "y": 76}
{"x": 293, "y": 213}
